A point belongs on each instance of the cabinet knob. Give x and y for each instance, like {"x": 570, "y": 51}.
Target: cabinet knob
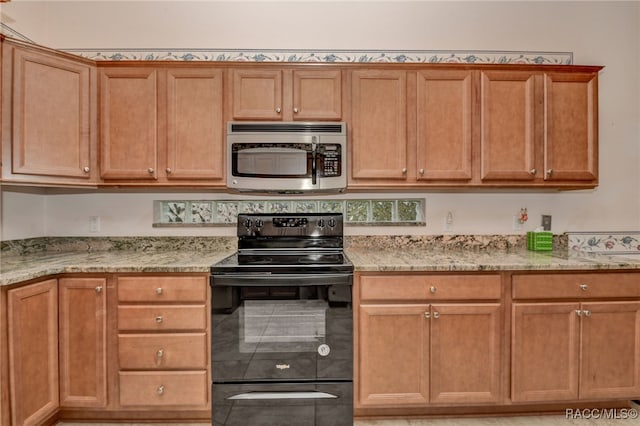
{"x": 159, "y": 291}
{"x": 432, "y": 289}
{"x": 150, "y": 170}
{"x": 160, "y": 390}
{"x": 99, "y": 289}
{"x": 404, "y": 170}
{"x": 578, "y": 312}
{"x": 421, "y": 171}
{"x": 549, "y": 172}
{"x": 583, "y": 287}
{"x": 436, "y": 315}
{"x": 86, "y": 169}
{"x": 587, "y": 313}
{"x": 295, "y": 110}
{"x": 168, "y": 170}
{"x": 427, "y": 315}
{"x": 159, "y": 319}
{"x": 160, "y": 353}
{"x": 278, "y": 110}
{"x": 533, "y": 171}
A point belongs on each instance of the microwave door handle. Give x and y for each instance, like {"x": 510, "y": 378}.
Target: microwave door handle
{"x": 314, "y": 168}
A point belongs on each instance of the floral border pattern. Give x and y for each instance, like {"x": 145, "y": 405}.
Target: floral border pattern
{"x": 605, "y": 242}
{"x": 328, "y": 56}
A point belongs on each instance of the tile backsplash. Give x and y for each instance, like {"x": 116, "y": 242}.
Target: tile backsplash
{"x": 367, "y": 212}
{"x": 619, "y": 242}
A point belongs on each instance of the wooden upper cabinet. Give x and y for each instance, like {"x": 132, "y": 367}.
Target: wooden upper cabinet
{"x": 52, "y": 125}
{"x": 378, "y": 126}
{"x": 571, "y": 126}
{"x": 286, "y": 94}
{"x": 195, "y": 124}
{"x": 128, "y": 112}
{"x": 257, "y": 94}
{"x": 444, "y": 131}
{"x": 508, "y": 126}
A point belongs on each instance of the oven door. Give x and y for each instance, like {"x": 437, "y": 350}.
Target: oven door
{"x": 281, "y": 328}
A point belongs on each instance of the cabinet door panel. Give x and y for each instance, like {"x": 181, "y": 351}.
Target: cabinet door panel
{"x": 317, "y": 95}
{"x": 444, "y": 125}
{"x": 257, "y": 94}
{"x": 129, "y": 136}
{"x": 195, "y": 127}
{"x": 32, "y": 313}
{"x": 508, "y": 126}
{"x": 51, "y": 123}
{"x": 545, "y": 352}
{"x": 83, "y": 347}
{"x": 465, "y": 353}
{"x": 571, "y": 126}
{"x": 393, "y": 355}
{"x": 610, "y": 365}
{"x": 379, "y": 125}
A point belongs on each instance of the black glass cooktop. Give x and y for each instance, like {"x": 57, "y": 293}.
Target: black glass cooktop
{"x": 284, "y": 262}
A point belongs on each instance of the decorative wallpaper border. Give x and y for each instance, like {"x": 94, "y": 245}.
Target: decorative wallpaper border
{"x": 605, "y": 242}
{"x": 375, "y": 212}
{"x": 329, "y": 56}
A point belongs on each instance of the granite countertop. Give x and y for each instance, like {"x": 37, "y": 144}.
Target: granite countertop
{"x": 16, "y": 268}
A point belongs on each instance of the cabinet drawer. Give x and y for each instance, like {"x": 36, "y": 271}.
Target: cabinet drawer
{"x": 163, "y": 351}
{"x": 429, "y": 287}
{"x": 162, "y": 289}
{"x": 185, "y": 388}
{"x": 162, "y": 317}
{"x": 576, "y": 286}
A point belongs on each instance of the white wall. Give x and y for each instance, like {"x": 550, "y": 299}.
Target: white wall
{"x": 599, "y": 33}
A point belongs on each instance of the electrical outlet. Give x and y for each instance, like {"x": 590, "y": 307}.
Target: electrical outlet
{"x": 517, "y": 225}
{"x": 546, "y": 222}
{"x": 94, "y": 224}
{"x": 448, "y": 221}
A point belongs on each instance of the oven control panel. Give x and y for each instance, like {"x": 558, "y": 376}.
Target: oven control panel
{"x": 290, "y": 224}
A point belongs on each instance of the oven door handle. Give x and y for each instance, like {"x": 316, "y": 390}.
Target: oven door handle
{"x": 268, "y": 279}
{"x": 282, "y": 395}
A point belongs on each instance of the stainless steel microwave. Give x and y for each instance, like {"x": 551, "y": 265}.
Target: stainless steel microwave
{"x": 287, "y": 157}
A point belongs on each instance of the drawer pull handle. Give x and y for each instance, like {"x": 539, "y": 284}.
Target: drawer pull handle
{"x": 432, "y": 289}
{"x": 159, "y": 291}
{"x": 160, "y": 390}
{"x": 436, "y": 315}
{"x": 99, "y": 289}
{"x": 160, "y": 353}
{"x": 159, "y": 319}
{"x": 584, "y": 287}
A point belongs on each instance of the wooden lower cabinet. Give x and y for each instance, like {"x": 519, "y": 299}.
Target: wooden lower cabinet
{"x": 580, "y": 349}
{"x": 163, "y": 343}
{"x": 32, "y": 320}
{"x": 419, "y": 354}
{"x": 83, "y": 345}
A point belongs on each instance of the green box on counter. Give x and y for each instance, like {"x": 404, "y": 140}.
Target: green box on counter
{"x": 540, "y": 241}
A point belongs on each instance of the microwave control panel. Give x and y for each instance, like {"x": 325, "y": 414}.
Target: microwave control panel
{"x": 330, "y": 160}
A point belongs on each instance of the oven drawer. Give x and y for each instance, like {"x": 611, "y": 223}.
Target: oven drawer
{"x": 184, "y": 388}
{"x": 576, "y": 286}
{"x": 162, "y": 317}
{"x": 163, "y": 289}
{"x": 429, "y": 287}
{"x": 162, "y": 351}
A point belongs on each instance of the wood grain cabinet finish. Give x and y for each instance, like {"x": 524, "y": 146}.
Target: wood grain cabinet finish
{"x": 52, "y": 131}
{"x": 163, "y": 342}
{"x": 421, "y": 354}
{"x": 585, "y": 349}
{"x": 162, "y": 125}
{"x": 379, "y": 144}
{"x": 83, "y": 345}
{"x": 32, "y": 320}
{"x": 286, "y": 94}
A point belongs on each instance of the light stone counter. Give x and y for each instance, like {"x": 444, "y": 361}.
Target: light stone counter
{"x": 518, "y": 259}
